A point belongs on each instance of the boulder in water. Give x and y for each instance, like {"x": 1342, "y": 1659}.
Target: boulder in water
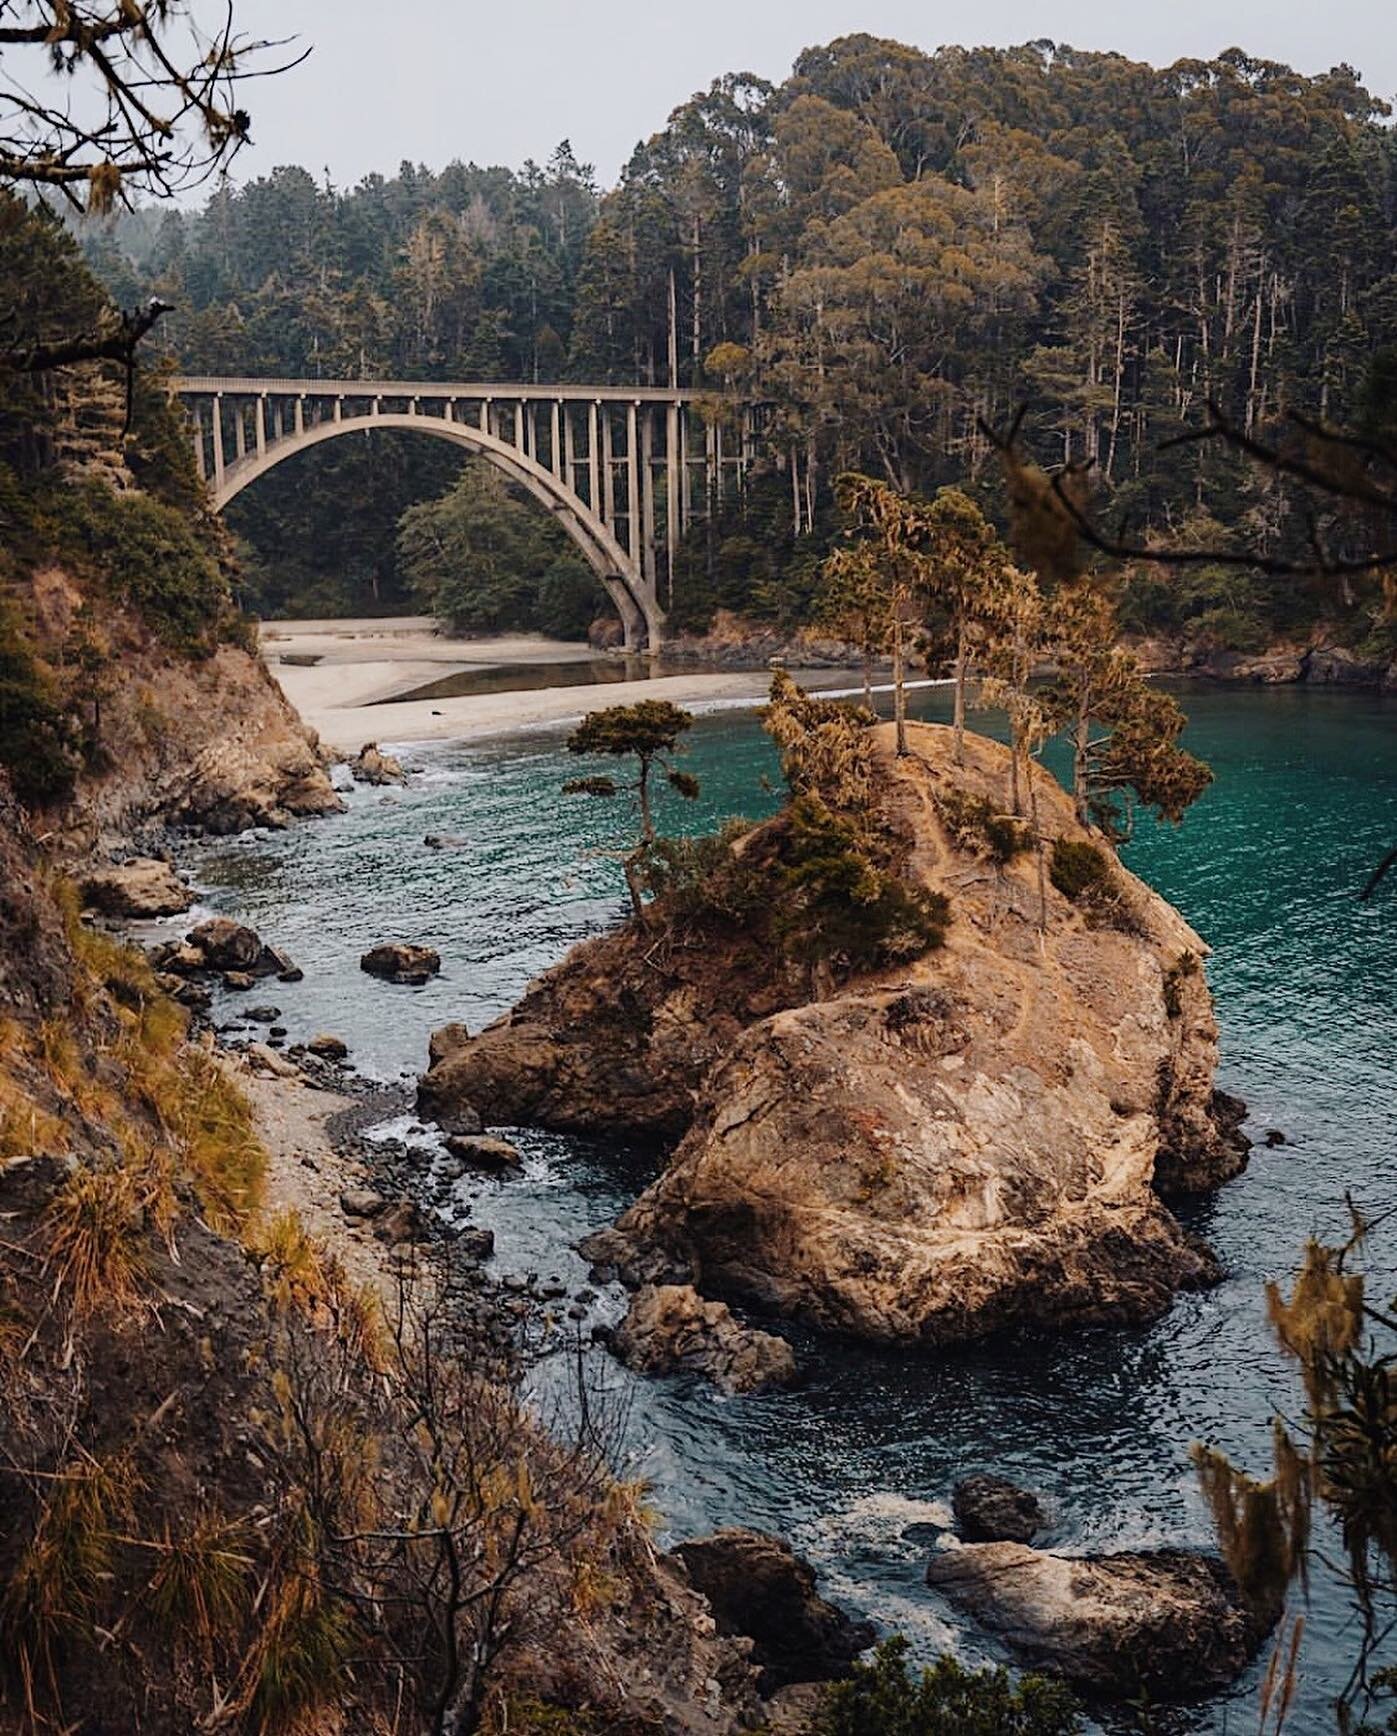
{"x": 758, "y": 1586}
{"x": 480, "y": 1151}
{"x": 369, "y": 766}
{"x": 671, "y": 1329}
{"x": 1169, "y": 1623}
{"x": 226, "y": 946}
{"x": 328, "y": 1047}
{"x": 991, "y": 1509}
{"x": 398, "y": 961}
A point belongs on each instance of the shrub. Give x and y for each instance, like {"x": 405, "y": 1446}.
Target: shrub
{"x": 704, "y": 880}
{"x": 150, "y": 558}
{"x": 34, "y": 729}
{"x": 974, "y": 823}
{"x": 1078, "y": 868}
{"x": 883, "y": 1698}
{"x": 837, "y": 901}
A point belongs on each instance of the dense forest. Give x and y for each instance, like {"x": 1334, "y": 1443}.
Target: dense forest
{"x": 896, "y": 249}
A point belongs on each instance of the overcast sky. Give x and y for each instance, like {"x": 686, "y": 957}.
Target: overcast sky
{"x": 496, "y": 81}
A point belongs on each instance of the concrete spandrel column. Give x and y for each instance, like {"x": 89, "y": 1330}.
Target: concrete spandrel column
{"x": 570, "y": 453}
{"x": 521, "y": 428}
{"x": 259, "y": 424}
{"x": 299, "y": 415}
{"x": 594, "y": 463}
{"x": 671, "y": 491}
{"x": 218, "y": 465}
{"x": 608, "y": 472}
{"x": 484, "y": 415}
{"x": 555, "y": 453}
{"x": 647, "y": 495}
{"x": 198, "y": 440}
{"x": 633, "y": 526}
{"x": 339, "y": 408}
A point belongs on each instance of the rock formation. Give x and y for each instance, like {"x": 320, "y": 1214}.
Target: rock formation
{"x": 142, "y": 887}
{"x": 398, "y": 961}
{"x": 758, "y": 1586}
{"x": 991, "y": 1509}
{"x": 932, "y": 1151}
{"x": 1169, "y": 1623}
{"x": 670, "y": 1329}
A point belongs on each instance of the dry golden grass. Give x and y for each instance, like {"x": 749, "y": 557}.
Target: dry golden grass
{"x": 94, "y": 1225}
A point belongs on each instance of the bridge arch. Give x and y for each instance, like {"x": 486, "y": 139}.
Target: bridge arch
{"x": 640, "y": 614}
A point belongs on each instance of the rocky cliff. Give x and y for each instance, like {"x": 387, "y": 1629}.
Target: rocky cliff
{"x": 979, "y": 1138}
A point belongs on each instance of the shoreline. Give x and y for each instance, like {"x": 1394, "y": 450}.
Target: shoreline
{"x": 345, "y": 673}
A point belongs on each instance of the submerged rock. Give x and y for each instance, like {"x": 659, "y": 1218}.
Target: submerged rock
{"x": 758, "y": 1586}
{"x": 670, "y": 1329}
{"x": 1169, "y": 1623}
{"x": 991, "y": 1509}
{"x": 141, "y": 888}
{"x": 398, "y": 961}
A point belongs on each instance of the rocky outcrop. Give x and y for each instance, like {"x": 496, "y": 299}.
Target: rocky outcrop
{"x": 1168, "y": 1623}
{"x": 931, "y": 1153}
{"x": 370, "y": 766}
{"x": 141, "y": 888}
{"x": 398, "y": 961}
{"x": 670, "y": 1329}
{"x": 991, "y": 1509}
{"x": 758, "y": 1586}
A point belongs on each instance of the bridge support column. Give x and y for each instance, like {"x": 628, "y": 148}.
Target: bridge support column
{"x": 260, "y": 425}
{"x": 672, "y": 525}
{"x": 218, "y": 465}
{"x": 633, "y": 531}
{"x": 198, "y": 441}
{"x": 299, "y": 416}
{"x": 594, "y": 463}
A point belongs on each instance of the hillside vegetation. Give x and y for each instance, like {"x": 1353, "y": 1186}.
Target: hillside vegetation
{"x": 891, "y": 247}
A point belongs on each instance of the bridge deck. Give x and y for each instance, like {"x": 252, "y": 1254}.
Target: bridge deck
{"x": 198, "y": 385}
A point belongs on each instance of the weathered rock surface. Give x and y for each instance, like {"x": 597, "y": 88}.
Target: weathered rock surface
{"x": 483, "y": 1152}
{"x": 362, "y": 1202}
{"x": 446, "y": 1041}
{"x": 398, "y": 961}
{"x": 758, "y": 1586}
{"x": 143, "y": 887}
{"x": 369, "y": 766}
{"x": 670, "y": 1329}
{"x": 991, "y": 1509}
{"x": 225, "y": 945}
{"x": 328, "y": 1046}
{"x": 932, "y": 1153}
{"x": 1169, "y": 1622}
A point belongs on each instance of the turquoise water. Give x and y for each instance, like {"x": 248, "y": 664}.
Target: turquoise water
{"x": 857, "y": 1465}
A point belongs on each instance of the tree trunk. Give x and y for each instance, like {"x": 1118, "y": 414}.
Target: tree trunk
{"x": 1081, "y": 741}
{"x": 899, "y": 689}
{"x": 959, "y": 713}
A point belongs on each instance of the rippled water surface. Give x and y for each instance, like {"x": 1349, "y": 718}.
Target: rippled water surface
{"x": 857, "y": 1464}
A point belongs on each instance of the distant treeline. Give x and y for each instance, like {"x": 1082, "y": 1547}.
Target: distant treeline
{"x": 893, "y": 247}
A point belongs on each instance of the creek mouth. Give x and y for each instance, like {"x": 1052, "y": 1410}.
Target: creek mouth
{"x": 856, "y": 1466}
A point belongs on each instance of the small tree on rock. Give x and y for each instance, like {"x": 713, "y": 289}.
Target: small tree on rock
{"x": 648, "y": 731}
{"x": 1138, "y": 754}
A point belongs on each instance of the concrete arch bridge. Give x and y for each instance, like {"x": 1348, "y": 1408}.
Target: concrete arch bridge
{"x": 625, "y": 469}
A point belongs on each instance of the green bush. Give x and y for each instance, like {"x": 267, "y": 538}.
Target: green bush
{"x": 148, "y": 556}
{"x": 974, "y": 823}
{"x": 34, "y": 730}
{"x": 836, "y": 901}
{"x": 884, "y": 1698}
{"x": 1077, "y": 868}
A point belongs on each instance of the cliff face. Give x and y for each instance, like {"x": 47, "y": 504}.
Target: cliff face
{"x": 933, "y": 1152}
{"x": 206, "y": 741}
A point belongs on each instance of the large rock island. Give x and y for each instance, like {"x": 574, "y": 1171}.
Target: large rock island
{"x": 916, "y": 1150}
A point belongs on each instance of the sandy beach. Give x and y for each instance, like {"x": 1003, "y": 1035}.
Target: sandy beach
{"x": 346, "y": 693}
